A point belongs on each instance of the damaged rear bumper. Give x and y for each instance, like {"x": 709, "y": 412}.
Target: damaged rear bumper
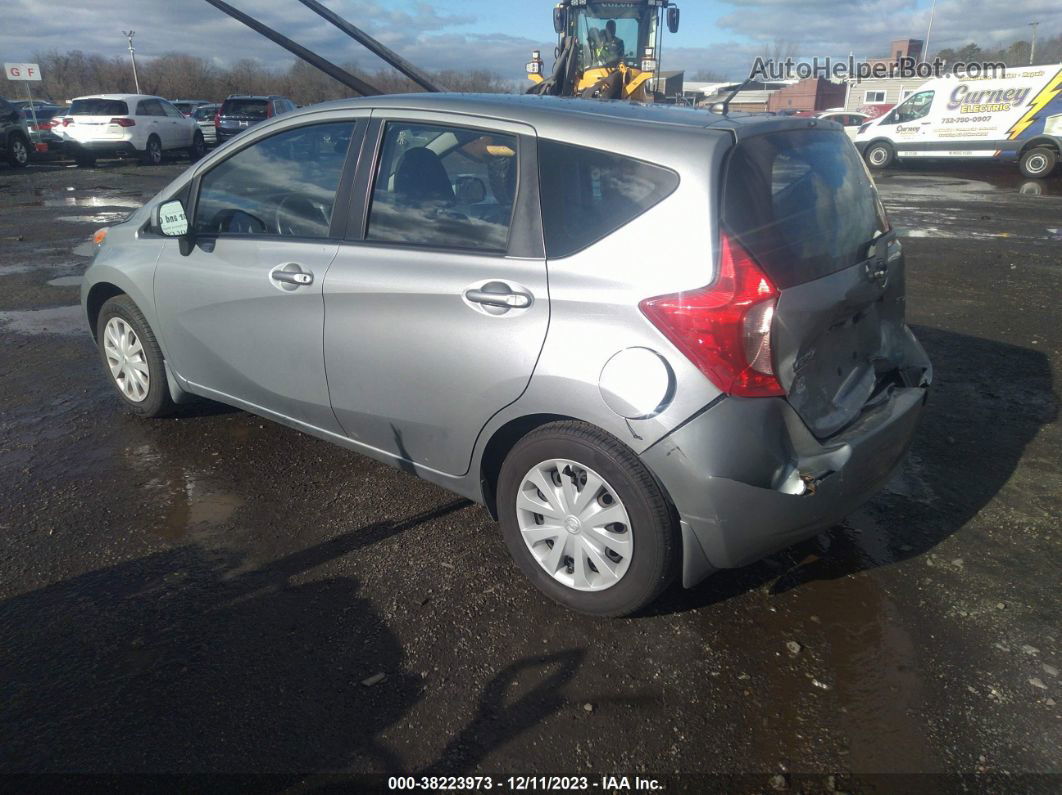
{"x": 748, "y": 478}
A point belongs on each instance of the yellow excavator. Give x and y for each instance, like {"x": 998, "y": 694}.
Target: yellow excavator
{"x": 606, "y": 49}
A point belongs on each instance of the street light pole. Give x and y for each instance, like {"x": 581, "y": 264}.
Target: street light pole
{"x": 929, "y": 29}
{"x": 1032, "y": 49}
{"x": 132, "y": 56}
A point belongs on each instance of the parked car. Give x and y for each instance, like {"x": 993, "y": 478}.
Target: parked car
{"x": 849, "y": 119}
{"x": 188, "y": 106}
{"x": 239, "y": 113}
{"x": 25, "y": 104}
{"x": 718, "y": 367}
{"x": 15, "y": 144}
{"x": 135, "y": 125}
{"x": 204, "y": 117}
{"x": 41, "y": 123}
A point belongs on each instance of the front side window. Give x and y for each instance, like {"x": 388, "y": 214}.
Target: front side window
{"x": 442, "y": 186}
{"x": 283, "y": 185}
{"x": 914, "y": 107}
{"x": 588, "y": 193}
{"x": 171, "y": 111}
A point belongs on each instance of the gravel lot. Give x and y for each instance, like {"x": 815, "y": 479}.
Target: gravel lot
{"x": 210, "y": 593}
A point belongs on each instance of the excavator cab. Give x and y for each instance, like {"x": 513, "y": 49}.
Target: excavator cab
{"x": 607, "y": 49}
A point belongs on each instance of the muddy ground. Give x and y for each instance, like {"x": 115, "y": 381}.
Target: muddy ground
{"x": 208, "y": 593}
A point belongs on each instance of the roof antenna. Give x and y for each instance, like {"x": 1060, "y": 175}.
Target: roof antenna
{"x": 724, "y": 106}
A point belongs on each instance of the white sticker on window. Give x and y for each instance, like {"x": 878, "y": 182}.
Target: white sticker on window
{"x": 172, "y": 220}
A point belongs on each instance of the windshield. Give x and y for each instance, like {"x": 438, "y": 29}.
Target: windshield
{"x": 611, "y": 33}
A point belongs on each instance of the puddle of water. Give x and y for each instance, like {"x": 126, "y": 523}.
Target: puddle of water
{"x": 56, "y": 320}
{"x": 92, "y": 201}
{"x": 66, "y": 281}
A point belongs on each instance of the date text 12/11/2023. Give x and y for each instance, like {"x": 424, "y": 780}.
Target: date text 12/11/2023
{"x": 525, "y": 783}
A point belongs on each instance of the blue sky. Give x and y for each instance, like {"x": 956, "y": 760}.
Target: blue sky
{"x": 498, "y": 35}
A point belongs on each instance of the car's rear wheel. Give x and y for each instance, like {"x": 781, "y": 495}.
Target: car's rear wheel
{"x": 880, "y": 155}
{"x": 586, "y": 521}
{"x": 18, "y": 151}
{"x": 1038, "y": 163}
{"x": 153, "y": 151}
{"x": 198, "y": 147}
{"x": 132, "y": 358}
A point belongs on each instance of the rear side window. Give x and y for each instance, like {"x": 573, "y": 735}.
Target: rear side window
{"x": 98, "y": 107}
{"x": 248, "y": 108}
{"x": 589, "y": 194}
{"x": 444, "y": 187}
{"x": 802, "y": 203}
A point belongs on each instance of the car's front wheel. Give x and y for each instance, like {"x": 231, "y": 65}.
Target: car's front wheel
{"x": 132, "y": 358}
{"x": 586, "y": 521}
{"x": 880, "y": 155}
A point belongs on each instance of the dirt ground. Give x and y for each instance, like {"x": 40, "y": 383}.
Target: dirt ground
{"x": 208, "y": 593}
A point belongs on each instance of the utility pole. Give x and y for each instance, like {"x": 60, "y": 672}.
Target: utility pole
{"x": 1032, "y": 49}
{"x": 132, "y": 56}
{"x": 925, "y": 47}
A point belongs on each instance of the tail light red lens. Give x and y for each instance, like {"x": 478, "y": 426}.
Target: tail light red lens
{"x": 725, "y": 328}
{"x": 67, "y": 121}
{"x": 123, "y": 122}
{"x": 217, "y": 119}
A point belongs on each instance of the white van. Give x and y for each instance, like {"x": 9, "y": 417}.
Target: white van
{"x": 1013, "y": 118}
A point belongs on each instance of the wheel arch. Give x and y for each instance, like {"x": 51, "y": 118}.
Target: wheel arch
{"x": 98, "y": 295}
{"x": 498, "y": 446}
{"x": 1048, "y": 141}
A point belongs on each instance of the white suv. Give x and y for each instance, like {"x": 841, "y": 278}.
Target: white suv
{"x": 128, "y": 124}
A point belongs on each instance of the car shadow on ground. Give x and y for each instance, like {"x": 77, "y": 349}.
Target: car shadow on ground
{"x": 188, "y": 661}
{"x": 989, "y": 400}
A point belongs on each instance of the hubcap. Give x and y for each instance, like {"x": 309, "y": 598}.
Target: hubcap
{"x": 126, "y": 359}
{"x": 877, "y": 157}
{"x": 19, "y": 149}
{"x": 1036, "y": 164}
{"x": 574, "y": 525}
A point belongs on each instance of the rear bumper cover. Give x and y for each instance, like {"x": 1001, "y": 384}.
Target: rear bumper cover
{"x": 102, "y": 147}
{"x": 731, "y": 472}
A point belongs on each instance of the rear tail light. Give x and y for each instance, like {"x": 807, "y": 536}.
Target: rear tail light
{"x": 217, "y": 119}
{"x": 269, "y": 110}
{"x": 725, "y": 328}
{"x": 67, "y": 121}
{"x": 123, "y": 122}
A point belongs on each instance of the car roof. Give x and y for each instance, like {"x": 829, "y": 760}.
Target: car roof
{"x": 551, "y": 112}
{"x": 123, "y": 97}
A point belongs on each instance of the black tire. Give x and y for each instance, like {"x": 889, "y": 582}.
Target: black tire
{"x": 84, "y": 159}
{"x": 198, "y": 147}
{"x": 1038, "y": 162}
{"x": 655, "y": 559}
{"x": 18, "y": 151}
{"x": 157, "y": 402}
{"x": 153, "y": 151}
{"x": 880, "y": 154}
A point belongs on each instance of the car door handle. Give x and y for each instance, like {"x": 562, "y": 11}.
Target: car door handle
{"x": 509, "y": 300}
{"x": 287, "y": 277}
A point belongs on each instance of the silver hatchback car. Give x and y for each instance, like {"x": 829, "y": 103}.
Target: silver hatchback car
{"x": 653, "y": 342}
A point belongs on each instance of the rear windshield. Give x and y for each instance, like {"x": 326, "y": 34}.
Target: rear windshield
{"x": 802, "y": 203}
{"x": 98, "y": 107}
{"x": 252, "y": 108}
{"x": 204, "y": 112}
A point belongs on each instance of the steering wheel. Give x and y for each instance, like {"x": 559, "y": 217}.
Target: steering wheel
{"x": 297, "y": 216}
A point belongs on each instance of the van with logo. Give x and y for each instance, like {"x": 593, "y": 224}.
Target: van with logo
{"x": 1015, "y": 118}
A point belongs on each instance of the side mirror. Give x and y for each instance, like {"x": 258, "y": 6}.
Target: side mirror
{"x": 470, "y": 190}
{"x": 172, "y": 221}
{"x": 673, "y": 19}
{"x": 560, "y": 19}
